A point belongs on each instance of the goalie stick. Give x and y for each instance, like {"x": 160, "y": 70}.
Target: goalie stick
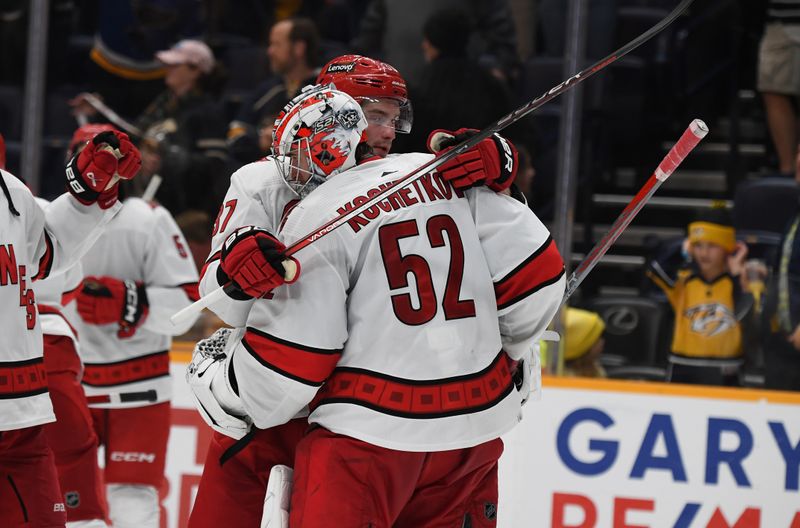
{"x": 218, "y": 294}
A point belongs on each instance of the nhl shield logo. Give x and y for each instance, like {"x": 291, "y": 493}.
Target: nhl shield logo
{"x": 72, "y": 499}
{"x": 490, "y": 510}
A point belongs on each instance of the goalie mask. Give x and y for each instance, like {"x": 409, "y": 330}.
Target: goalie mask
{"x": 317, "y": 134}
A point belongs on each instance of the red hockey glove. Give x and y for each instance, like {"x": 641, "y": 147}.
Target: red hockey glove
{"x": 492, "y": 162}
{"x": 92, "y": 174}
{"x": 105, "y": 300}
{"x": 255, "y": 262}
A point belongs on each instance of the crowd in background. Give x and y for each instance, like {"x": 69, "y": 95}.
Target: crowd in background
{"x": 198, "y": 84}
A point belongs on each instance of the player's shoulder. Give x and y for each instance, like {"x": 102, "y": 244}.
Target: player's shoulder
{"x": 139, "y": 215}
{"x": 18, "y": 193}
{"x": 14, "y": 184}
{"x": 258, "y": 176}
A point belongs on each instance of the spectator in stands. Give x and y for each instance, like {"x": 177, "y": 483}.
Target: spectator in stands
{"x": 583, "y": 344}
{"x": 450, "y": 84}
{"x": 392, "y": 30}
{"x": 184, "y": 132}
{"x": 293, "y": 58}
{"x": 708, "y": 301}
{"x": 124, "y": 71}
{"x": 779, "y": 77}
{"x": 782, "y": 310}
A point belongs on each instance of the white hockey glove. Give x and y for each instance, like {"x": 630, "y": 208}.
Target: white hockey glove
{"x": 528, "y": 376}
{"x": 209, "y": 379}
{"x": 277, "y": 500}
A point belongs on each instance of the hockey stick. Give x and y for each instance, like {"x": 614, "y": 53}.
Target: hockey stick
{"x": 152, "y": 188}
{"x": 218, "y": 294}
{"x": 124, "y": 397}
{"x": 117, "y": 120}
{"x": 696, "y": 131}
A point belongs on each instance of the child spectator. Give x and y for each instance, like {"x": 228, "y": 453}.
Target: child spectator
{"x": 583, "y": 344}
{"x": 708, "y": 301}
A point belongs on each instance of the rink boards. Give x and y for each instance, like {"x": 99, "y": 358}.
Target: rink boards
{"x": 606, "y": 454}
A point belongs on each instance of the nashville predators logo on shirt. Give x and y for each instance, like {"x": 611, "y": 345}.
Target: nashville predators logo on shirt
{"x": 710, "y": 319}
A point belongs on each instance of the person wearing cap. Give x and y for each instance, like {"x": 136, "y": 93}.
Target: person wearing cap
{"x": 184, "y": 130}
{"x": 709, "y": 304}
{"x": 583, "y": 344}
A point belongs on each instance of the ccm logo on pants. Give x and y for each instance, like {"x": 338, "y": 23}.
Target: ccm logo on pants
{"x": 122, "y": 456}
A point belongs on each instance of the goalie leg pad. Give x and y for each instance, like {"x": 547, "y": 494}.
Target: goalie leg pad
{"x": 278, "y": 497}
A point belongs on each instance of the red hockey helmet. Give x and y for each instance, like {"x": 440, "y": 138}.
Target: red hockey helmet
{"x": 366, "y": 80}
{"x": 85, "y": 133}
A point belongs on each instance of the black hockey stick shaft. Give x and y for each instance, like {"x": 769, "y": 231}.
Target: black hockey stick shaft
{"x": 499, "y": 125}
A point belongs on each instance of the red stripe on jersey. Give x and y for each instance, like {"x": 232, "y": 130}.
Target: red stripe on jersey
{"x": 307, "y": 365}
{"x": 291, "y": 204}
{"x": 542, "y": 268}
{"x": 46, "y": 262}
{"x": 45, "y": 309}
{"x": 69, "y": 296}
{"x": 192, "y": 290}
{"x": 419, "y": 399}
{"x": 127, "y": 371}
{"x": 20, "y": 379}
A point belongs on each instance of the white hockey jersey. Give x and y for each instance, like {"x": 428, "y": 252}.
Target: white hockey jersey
{"x": 53, "y": 293}
{"x": 258, "y": 195}
{"x": 144, "y": 244}
{"x": 408, "y": 317}
{"x": 34, "y": 243}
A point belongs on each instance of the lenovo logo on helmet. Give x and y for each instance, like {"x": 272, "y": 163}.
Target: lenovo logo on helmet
{"x": 345, "y": 67}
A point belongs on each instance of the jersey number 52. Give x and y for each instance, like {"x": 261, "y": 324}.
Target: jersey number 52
{"x": 398, "y": 266}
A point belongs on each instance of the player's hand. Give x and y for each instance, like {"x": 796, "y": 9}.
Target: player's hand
{"x": 255, "y": 261}
{"x": 106, "y": 300}
{"x": 93, "y": 174}
{"x": 492, "y": 162}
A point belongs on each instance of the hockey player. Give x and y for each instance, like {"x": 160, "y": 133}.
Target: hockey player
{"x": 71, "y": 436}
{"x": 235, "y": 473}
{"x": 136, "y": 275}
{"x": 417, "y": 373}
{"x": 37, "y": 242}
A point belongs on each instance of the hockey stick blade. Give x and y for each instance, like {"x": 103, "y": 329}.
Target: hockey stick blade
{"x": 193, "y": 309}
{"x": 696, "y": 131}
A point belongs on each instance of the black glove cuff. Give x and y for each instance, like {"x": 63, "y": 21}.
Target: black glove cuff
{"x": 508, "y": 166}
{"x": 76, "y": 184}
{"x": 234, "y": 293}
{"x": 135, "y": 305}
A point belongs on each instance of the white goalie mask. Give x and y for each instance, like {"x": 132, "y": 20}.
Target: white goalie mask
{"x": 317, "y": 134}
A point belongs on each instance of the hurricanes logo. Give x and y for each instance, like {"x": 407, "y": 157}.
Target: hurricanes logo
{"x": 710, "y": 319}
